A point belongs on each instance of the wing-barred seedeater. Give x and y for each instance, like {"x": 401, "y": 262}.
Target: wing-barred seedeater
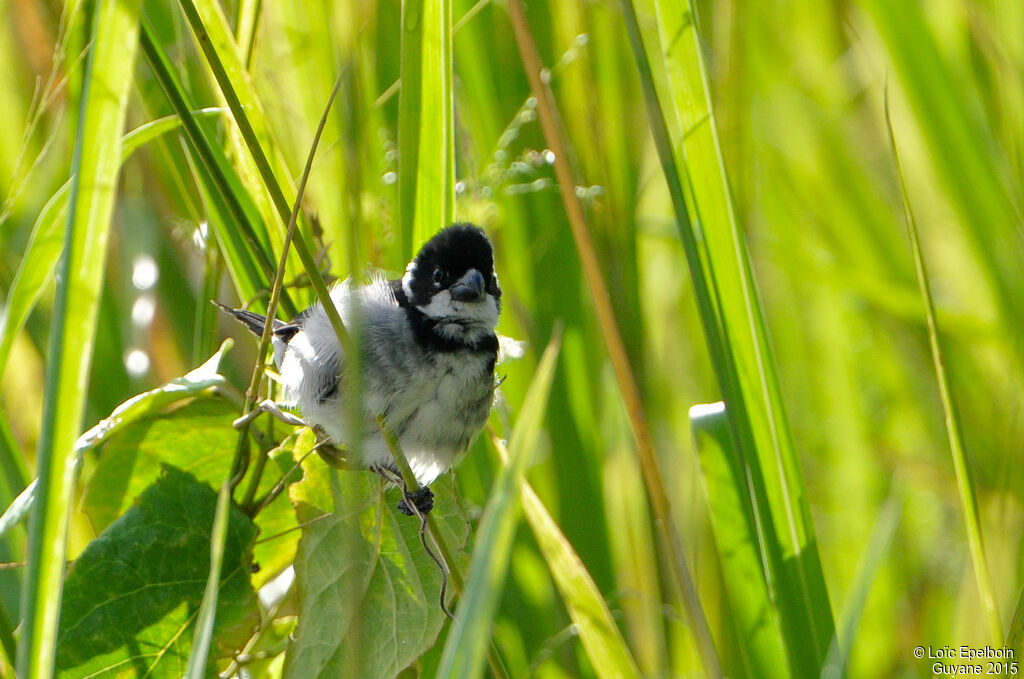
{"x": 427, "y": 353}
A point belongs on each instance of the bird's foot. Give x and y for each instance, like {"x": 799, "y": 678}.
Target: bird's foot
{"x": 273, "y": 408}
{"x": 422, "y": 500}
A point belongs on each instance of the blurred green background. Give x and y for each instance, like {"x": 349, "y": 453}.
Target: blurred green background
{"x": 797, "y": 88}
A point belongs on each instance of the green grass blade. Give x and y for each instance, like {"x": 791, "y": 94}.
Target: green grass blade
{"x": 36, "y": 267}
{"x": 9, "y": 643}
{"x": 214, "y": 37}
{"x": 601, "y": 639}
{"x": 263, "y": 169}
{"x": 247, "y": 254}
{"x": 426, "y": 165}
{"x": 683, "y": 123}
{"x": 837, "y": 662}
{"x": 12, "y": 463}
{"x": 1015, "y": 636}
{"x": 13, "y": 480}
{"x": 762, "y": 650}
{"x": 18, "y": 510}
{"x": 43, "y": 250}
{"x": 965, "y": 154}
{"x": 203, "y": 633}
{"x": 553, "y": 129}
{"x": 147, "y": 132}
{"x": 95, "y": 168}
{"x": 468, "y": 638}
{"x": 954, "y": 427}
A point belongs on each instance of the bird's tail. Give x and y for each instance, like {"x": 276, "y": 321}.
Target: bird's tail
{"x": 255, "y": 322}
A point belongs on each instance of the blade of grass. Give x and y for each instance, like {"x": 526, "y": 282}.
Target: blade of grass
{"x": 9, "y": 643}
{"x": 954, "y": 428}
{"x": 551, "y": 127}
{"x": 215, "y": 37}
{"x": 1015, "y": 635}
{"x": 969, "y": 161}
{"x": 609, "y": 655}
{"x": 466, "y": 645}
{"x": 213, "y": 34}
{"x": 18, "y": 510}
{"x": 147, "y": 132}
{"x": 247, "y": 22}
{"x": 250, "y": 262}
{"x": 733, "y": 323}
{"x": 12, "y": 462}
{"x": 14, "y": 478}
{"x": 837, "y": 662}
{"x": 426, "y": 162}
{"x": 638, "y": 573}
{"x": 95, "y": 168}
{"x": 751, "y": 608}
{"x": 203, "y": 633}
{"x": 252, "y": 393}
{"x": 44, "y": 245}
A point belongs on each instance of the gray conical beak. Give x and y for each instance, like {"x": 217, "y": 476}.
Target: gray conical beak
{"x": 469, "y": 288}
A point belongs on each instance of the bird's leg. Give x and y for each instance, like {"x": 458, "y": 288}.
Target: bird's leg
{"x": 387, "y": 472}
{"x": 422, "y": 500}
{"x": 417, "y": 503}
{"x": 272, "y": 407}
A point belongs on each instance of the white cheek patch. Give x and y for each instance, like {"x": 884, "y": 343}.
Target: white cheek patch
{"x": 441, "y": 305}
{"x": 407, "y": 280}
{"x": 466, "y": 320}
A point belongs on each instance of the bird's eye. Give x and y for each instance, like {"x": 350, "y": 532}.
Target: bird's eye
{"x": 438, "y": 275}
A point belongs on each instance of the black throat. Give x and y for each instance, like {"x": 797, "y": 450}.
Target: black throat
{"x": 425, "y": 330}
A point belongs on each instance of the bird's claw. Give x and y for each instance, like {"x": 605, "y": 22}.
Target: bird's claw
{"x": 269, "y": 406}
{"x": 422, "y": 499}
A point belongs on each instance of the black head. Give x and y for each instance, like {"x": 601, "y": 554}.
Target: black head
{"x": 446, "y": 262}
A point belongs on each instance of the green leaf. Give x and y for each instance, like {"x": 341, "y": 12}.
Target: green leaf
{"x": 196, "y": 437}
{"x": 95, "y": 166}
{"x": 954, "y": 428}
{"x": 131, "y": 598}
{"x": 142, "y": 405}
{"x": 36, "y": 267}
{"x": 18, "y": 509}
{"x": 1015, "y": 635}
{"x": 367, "y": 591}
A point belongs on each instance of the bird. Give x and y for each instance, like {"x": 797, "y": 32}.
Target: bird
{"x": 427, "y": 350}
